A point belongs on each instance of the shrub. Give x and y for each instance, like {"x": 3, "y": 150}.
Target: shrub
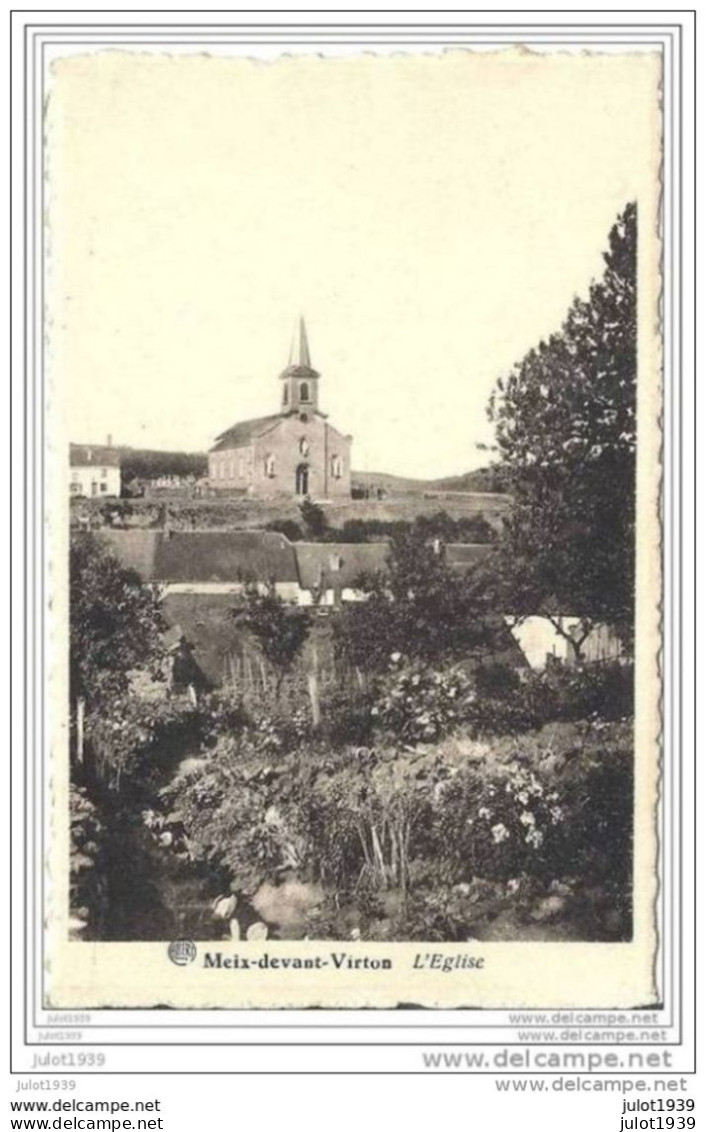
{"x": 287, "y": 527}
{"x": 418, "y": 704}
{"x": 598, "y": 787}
{"x": 494, "y": 826}
{"x": 604, "y": 691}
{"x": 134, "y": 741}
{"x": 525, "y": 814}
{"x": 314, "y": 519}
{"x": 347, "y": 716}
{"x": 88, "y": 899}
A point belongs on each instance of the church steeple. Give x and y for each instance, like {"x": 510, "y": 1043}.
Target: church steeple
{"x": 299, "y": 353}
{"x": 300, "y": 389}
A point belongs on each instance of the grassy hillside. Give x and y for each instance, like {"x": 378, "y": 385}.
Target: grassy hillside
{"x": 492, "y": 479}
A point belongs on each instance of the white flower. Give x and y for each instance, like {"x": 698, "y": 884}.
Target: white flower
{"x": 523, "y": 797}
{"x": 513, "y": 885}
{"x": 395, "y": 656}
{"x": 500, "y": 833}
{"x": 484, "y": 812}
{"x": 534, "y": 838}
{"x": 556, "y": 814}
{"x": 527, "y": 818}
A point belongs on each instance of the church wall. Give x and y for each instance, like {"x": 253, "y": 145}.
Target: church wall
{"x": 294, "y": 443}
{"x": 231, "y": 468}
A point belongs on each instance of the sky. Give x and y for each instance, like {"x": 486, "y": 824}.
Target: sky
{"x": 431, "y": 217}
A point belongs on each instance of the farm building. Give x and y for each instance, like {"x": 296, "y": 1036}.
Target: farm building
{"x": 94, "y": 470}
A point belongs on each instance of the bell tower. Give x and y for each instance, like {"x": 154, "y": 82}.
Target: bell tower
{"x": 300, "y": 381}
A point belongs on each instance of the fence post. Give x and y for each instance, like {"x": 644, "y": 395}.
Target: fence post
{"x": 314, "y": 690}
{"x": 80, "y": 718}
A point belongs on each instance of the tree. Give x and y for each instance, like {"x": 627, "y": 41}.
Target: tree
{"x": 418, "y": 607}
{"x": 278, "y": 629}
{"x": 565, "y": 422}
{"x": 115, "y": 627}
{"x": 314, "y": 519}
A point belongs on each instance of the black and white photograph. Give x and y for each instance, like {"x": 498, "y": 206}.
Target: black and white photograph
{"x": 354, "y": 379}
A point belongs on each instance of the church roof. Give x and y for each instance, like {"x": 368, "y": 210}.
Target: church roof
{"x": 245, "y": 432}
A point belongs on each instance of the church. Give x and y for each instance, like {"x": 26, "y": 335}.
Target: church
{"x": 294, "y": 452}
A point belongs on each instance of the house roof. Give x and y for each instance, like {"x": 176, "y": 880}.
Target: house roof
{"x": 224, "y": 556}
{"x": 136, "y": 549}
{"x": 245, "y": 432}
{"x": 204, "y": 556}
{"x": 206, "y": 622}
{"x": 233, "y": 556}
{"x": 93, "y": 455}
{"x": 317, "y": 562}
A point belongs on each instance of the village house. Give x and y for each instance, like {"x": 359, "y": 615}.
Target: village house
{"x": 94, "y": 470}
{"x": 198, "y": 573}
{"x": 294, "y": 452}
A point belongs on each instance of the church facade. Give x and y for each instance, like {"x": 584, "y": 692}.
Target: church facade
{"x": 295, "y": 452}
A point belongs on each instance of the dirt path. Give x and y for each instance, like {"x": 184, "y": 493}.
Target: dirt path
{"x": 152, "y": 894}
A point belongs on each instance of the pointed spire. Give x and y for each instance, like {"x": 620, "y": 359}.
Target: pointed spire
{"x": 299, "y": 353}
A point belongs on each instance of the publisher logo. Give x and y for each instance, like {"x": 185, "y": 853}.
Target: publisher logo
{"x": 182, "y": 952}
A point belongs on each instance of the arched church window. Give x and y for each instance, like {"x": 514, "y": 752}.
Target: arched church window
{"x": 304, "y": 446}
{"x": 270, "y": 465}
{"x": 304, "y": 391}
{"x": 285, "y": 395}
{"x": 336, "y": 467}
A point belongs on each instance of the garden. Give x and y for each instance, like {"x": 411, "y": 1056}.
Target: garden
{"x": 433, "y": 799}
{"x": 434, "y": 788}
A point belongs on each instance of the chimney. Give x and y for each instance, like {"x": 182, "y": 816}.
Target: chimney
{"x": 109, "y": 440}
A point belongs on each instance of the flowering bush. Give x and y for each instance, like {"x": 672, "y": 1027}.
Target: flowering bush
{"x": 417, "y": 704}
{"x": 420, "y": 705}
{"x": 525, "y": 815}
{"x": 496, "y": 825}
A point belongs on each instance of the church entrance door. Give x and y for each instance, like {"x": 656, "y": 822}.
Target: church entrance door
{"x": 302, "y": 482}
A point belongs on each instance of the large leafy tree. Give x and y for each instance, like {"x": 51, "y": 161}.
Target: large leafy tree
{"x": 418, "y": 607}
{"x": 565, "y": 422}
{"x": 115, "y": 623}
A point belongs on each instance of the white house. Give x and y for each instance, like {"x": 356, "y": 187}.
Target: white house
{"x": 541, "y": 642}
{"x": 94, "y": 470}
